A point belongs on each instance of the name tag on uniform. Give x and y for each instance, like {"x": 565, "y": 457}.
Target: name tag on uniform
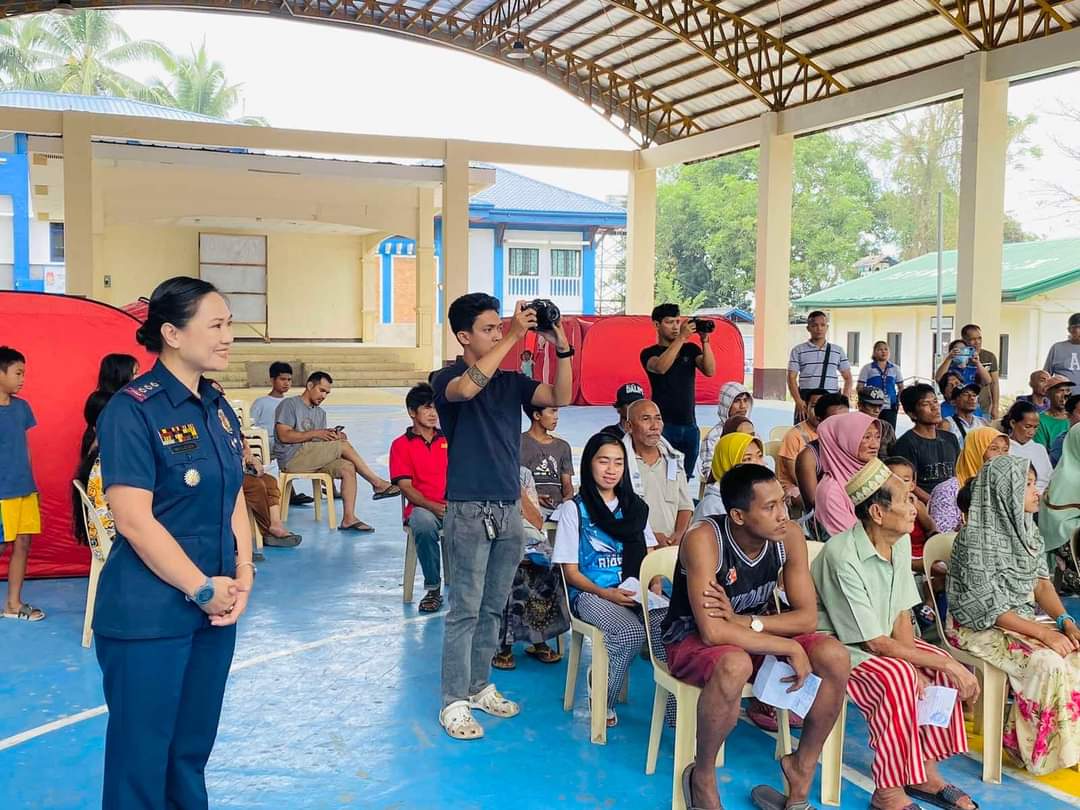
{"x": 178, "y": 435}
{"x": 672, "y": 469}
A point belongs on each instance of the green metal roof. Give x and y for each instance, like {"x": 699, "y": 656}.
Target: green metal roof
{"x": 1027, "y": 269}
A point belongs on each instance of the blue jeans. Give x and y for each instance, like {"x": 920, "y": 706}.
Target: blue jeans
{"x": 425, "y": 527}
{"x": 685, "y": 439}
{"x": 482, "y": 571}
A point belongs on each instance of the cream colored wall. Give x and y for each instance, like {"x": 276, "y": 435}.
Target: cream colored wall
{"x": 138, "y": 257}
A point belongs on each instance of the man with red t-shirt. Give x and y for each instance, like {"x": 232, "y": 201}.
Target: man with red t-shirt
{"x": 418, "y": 461}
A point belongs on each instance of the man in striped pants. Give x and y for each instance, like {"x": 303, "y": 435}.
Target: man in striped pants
{"x": 865, "y": 592}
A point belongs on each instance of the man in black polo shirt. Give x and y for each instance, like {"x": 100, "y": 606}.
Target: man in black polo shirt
{"x": 672, "y": 366}
{"x": 480, "y": 411}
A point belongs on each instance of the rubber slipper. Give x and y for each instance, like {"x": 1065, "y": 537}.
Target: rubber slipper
{"x": 504, "y": 661}
{"x": 687, "y": 789}
{"x": 391, "y": 491}
{"x": 545, "y": 655}
{"x": 26, "y": 613}
{"x": 769, "y": 798}
{"x": 288, "y": 541}
{"x": 359, "y": 526}
{"x": 946, "y": 798}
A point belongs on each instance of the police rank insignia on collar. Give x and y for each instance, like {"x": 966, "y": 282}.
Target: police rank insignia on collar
{"x": 178, "y": 434}
{"x": 192, "y": 477}
{"x": 225, "y": 423}
{"x": 141, "y": 392}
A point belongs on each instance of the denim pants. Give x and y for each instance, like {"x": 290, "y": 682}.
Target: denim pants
{"x": 425, "y": 528}
{"x": 685, "y": 439}
{"x": 482, "y": 572}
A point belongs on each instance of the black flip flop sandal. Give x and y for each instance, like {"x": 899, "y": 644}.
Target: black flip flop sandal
{"x": 687, "y": 789}
{"x": 947, "y": 798}
{"x": 391, "y": 491}
{"x": 769, "y": 798}
{"x": 360, "y": 527}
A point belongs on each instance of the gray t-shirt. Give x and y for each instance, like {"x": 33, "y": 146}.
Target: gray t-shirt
{"x": 547, "y": 463}
{"x": 1064, "y": 359}
{"x": 298, "y": 415}
{"x": 262, "y": 414}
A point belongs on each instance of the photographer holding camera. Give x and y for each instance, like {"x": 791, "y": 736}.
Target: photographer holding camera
{"x": 672, "y": 365}
{"x": 479, "y": 409}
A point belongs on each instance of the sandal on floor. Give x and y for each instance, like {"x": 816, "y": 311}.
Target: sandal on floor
{"x": 688, "y": 790}
{"x": 391, "y": 491}
{"x": 612, "y": 717}
{"x": 947, "y": 798}
{"x": 459, "y": 723}
{"x": 504, "y": 660}
{"x": 769, "y": 798}
{"x": 359, "y": 526}
{"x": 489, "y": 700}
{"x": 26, "y": 613}
{"x": 291, "y": 540}
{"x": 543, "y": 653}
{"x": 431, "y": 602}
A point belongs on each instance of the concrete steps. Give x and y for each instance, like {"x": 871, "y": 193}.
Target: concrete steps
{"x": 352, "y": 365}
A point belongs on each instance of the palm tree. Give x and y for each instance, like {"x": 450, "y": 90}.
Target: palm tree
{"x": 198, "y": 84}
{"x": 87, "y": 50}
{"x": 22, "y": 53}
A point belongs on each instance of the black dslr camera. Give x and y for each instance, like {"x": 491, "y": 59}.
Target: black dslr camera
{"x": 547, "y": 314}
{"x": 704, "y": 326}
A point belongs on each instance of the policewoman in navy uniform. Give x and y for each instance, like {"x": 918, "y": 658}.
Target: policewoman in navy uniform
{"x": 180, "y": 572}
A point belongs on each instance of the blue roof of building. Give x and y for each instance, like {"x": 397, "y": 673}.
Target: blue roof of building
{"x": 108, "y": 105}
{"x": 515, "y": 192}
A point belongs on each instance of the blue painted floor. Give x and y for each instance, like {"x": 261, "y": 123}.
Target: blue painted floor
{"x": 334, "y": 695}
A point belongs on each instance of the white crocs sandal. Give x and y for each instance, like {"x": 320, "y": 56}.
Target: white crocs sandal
{"x": 490, "y": 701}
{"x": 459, "y": 723}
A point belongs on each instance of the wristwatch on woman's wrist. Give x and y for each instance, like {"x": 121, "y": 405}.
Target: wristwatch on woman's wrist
{"x": 203, "y": 594}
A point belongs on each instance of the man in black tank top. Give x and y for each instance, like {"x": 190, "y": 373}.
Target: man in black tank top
{"x": 717, "y": 634}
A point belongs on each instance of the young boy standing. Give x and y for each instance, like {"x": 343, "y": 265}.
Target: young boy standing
{"x": 19, "y": 509}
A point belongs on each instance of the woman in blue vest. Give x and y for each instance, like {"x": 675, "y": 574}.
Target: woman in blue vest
{"x": 602, "y": 538}
{"x": 883, "y": 374}
{"x": 180, "y": 572}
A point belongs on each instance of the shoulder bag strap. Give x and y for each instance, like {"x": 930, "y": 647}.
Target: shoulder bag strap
{"x": 825, "y": 365}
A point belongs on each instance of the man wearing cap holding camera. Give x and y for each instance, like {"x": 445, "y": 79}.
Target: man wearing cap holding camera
{"x": 672, "y": 365}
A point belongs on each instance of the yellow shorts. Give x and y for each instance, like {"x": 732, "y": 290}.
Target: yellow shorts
{"x": 20, "y": 516}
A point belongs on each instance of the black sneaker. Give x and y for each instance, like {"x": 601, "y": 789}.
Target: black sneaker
{"x": 300, "y": 499}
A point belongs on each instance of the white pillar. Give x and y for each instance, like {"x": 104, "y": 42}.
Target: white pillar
{"x": 772, "y": 285}
{"x": 78, "y": 204}
{"x": 455, "y": 222}
{"x": 425, "y": 277}
{"x": 983, "y": 155}
{"x": 641, "y": 242}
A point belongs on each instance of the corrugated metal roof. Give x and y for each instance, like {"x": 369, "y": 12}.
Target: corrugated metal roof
{"x": 108, "y": 105}
{"x": 1027, "y": 269}
{"x": 515, "y": 192}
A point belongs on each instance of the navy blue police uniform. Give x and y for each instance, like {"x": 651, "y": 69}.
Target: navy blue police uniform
{"x": 164, "y": 665}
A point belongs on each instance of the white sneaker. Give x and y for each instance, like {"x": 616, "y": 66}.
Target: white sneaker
{"x": 489, "y": 700}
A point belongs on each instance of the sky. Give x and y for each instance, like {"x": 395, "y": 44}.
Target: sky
{"x": 329, "y": 77}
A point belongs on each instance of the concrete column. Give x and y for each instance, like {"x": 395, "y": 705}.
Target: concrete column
{"x": 78, "y": 204}
{"x": 455, "y": 233}
{"x": 772, "y": 286}
{"x": 982, "y": 200}
{"x": 369, "y": 299}
{"x": 425, "y": 278}
{"x": 641, "y": 242}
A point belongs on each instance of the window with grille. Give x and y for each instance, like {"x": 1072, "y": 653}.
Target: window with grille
{"x": 565, "y": 263}
{"x": 524, "y": 261}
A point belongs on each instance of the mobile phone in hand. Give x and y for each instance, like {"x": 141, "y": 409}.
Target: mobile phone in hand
{"x": 338, "y": 428}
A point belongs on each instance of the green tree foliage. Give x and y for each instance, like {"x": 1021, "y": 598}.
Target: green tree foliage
{"x": 198, "y": 84}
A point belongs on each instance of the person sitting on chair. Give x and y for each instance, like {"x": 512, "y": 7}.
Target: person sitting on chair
{"x": 263, "y": 497}
{"x": 718, "y": 643}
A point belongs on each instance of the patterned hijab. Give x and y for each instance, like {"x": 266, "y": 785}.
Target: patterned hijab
{"x": 1059, "y": 516}
{"x": 729, "y": 452}
{"x": 728, "y": 394}
{"x": 971, "y": 457}
{"x": 839, "y": 438}
{"x": 998, "y": 555}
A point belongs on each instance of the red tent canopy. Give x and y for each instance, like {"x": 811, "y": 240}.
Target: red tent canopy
{"x": 63, "y": 339}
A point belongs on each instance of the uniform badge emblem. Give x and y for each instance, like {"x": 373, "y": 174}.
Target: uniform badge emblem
{"x": 225, "y": 423}
{"x": 192, "y": 477}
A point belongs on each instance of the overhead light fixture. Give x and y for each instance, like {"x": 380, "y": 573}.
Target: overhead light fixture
{"x": 517, "y": 50}
{"x": 64, "y": 7}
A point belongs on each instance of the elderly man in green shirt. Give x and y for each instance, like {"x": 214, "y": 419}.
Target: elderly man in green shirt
{"x": 865, "y": 593}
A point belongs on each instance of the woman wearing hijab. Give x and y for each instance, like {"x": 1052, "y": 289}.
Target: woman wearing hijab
{"x": 602, "y": 537}
{"x": 847, "y": 442}
{"x": 982, "y": 444}
{"x": 733, "y": 448}
{"x": 735, "y": 400}
{"x": 1059, "y": 515}
{"x": 997, "y": 578}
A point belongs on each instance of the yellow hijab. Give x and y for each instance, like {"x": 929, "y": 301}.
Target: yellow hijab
{"x": 971, "y": 457}
{"x": 729, "y": 452}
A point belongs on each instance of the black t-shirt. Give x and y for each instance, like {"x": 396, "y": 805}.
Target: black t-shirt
{"x": 934, "y": 459}
{"x": 615, "y": 430}
{"x": 484, "y": 435}
{"x": 674, "y": 392}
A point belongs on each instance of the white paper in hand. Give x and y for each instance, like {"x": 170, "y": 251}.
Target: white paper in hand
{"x": 936, "y": 706}
{"x": 769, "y": 687}
{"x": 656, "y": 600}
